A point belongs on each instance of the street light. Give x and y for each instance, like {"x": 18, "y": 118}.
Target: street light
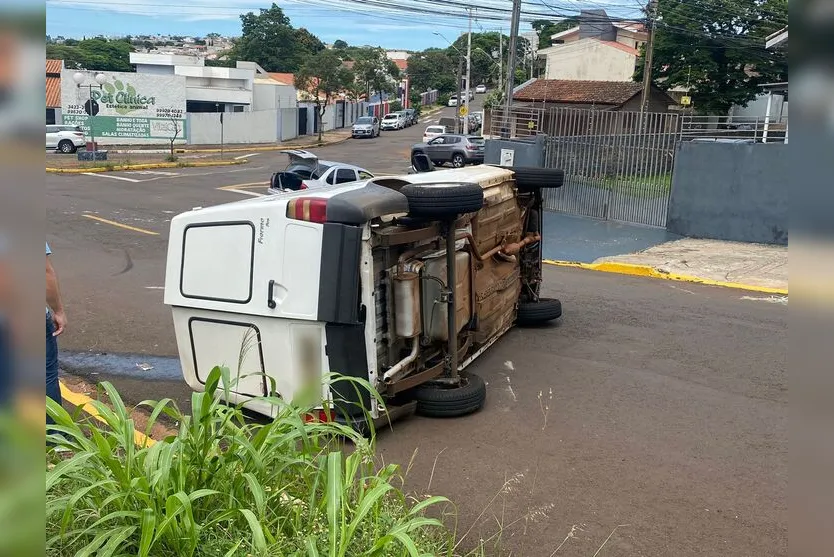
{"x": 90, "y": 107}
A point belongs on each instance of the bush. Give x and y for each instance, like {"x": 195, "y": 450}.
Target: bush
{"x": 443, "y": 99}
{"x": 223, "y": 486}
{"x": 171, "y": 158}
{"x": 395, "y": 106}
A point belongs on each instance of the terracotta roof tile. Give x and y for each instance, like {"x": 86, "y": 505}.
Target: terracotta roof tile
{"x": 621, "y": 46}
{"x": 53, "y": 92}
{"x": 53, "y": 66}
{"x": 401, "y": 64}
{"x": 614, "y": 93}
{"x": 285, "y": 78}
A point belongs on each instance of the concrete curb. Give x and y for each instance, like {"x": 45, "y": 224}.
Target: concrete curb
{"x": 243, "y": 149}
{"x": 85, "y": 403}
{"x": 651, "y": 272}
{"x": 147, "y": 166}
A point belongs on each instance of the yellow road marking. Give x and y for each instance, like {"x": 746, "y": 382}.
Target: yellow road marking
{"x": 85, "y": 403}
{"x": 120, "y": 225}
{"x": 647, "y": 271}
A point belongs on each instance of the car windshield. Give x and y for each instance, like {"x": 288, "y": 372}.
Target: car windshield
{"x": 391, "y": 117}
{"x": 365, "y": 120}
{"x": 308, "y": 171}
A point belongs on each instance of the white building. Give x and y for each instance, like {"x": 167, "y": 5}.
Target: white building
{"x": 596, "y": 50}
{"x": 244, "y": 88}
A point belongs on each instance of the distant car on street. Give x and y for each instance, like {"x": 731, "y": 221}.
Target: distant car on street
{"x": 64, "y": 139}
{"x": 306, "y": 171}
{"x": 481, "y": 89}
{"x": 393, "y": 121}
{"x": 432, "y": 132}
{"x": 365, "y": 126}
{"x": 457, "y": 149}
{"x": 453, "y": 100}
{"x": 411, "y": 115}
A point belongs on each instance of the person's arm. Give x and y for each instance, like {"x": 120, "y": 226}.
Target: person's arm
{"x": 53, "y": 299}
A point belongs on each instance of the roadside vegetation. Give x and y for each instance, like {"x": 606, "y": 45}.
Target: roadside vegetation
{"x": 227, "y": 486}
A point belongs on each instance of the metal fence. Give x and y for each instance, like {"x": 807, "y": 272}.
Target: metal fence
{"x": 618, "y": 165}
{"x": 740, "y": 129}
{"x": 520, "y": 121}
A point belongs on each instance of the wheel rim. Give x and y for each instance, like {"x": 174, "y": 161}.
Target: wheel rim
{"x": 457, "y": 161}
{"x": 65, "y": 148}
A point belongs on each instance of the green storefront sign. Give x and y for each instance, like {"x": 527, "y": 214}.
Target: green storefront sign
{"x": 128, "y": 127}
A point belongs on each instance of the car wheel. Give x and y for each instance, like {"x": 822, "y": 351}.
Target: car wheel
{"x": 458, "y": 161}
{"x": 66, "y": 146}
{"x": 439, "y": 400}
{"x": 441, "y": 201}
{"x": 534, "y": 314}
{"x": 529, "y": 179}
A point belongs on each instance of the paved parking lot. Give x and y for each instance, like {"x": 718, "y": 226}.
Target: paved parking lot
{"x": 654, "y": 410}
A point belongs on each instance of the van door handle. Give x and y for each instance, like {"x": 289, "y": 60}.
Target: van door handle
{"x": 270, "y": 295}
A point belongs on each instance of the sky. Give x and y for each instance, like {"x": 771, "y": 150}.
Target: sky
{"x": 351, "y": 21}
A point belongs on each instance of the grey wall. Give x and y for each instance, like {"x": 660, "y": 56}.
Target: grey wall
{"x": 731, "y": 192}
{"x": 527, "y": 152}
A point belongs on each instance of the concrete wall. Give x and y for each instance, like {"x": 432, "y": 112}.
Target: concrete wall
{"x": 524, "y": 152}
{"x": 589, "y": 59}
{"x": 238, "y": 127}
{"x": 731, "y": 192}
{"x": 269, "y": 96}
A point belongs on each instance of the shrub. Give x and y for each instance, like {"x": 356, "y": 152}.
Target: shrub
{"x": 224, "y": 486}
{"x": 443, "y": 99}
{"x": 171, "y": 158}
{"x": 395, "y": 106}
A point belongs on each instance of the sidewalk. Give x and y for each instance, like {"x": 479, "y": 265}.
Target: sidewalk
{"x": 304, "y": 142}
{"x": 757, "y": 265}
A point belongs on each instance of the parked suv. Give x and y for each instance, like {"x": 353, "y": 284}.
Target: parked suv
{"x": 459, "y": 150}
{"x": 411, "y": 115}
{"x": 65, "y": 139}
{"x": 365, "y": 126}
{"x": 393, "y": 121}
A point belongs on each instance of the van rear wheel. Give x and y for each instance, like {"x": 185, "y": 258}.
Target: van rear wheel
{"x": 439, "y": 400}
{"x": 442, "y": 201}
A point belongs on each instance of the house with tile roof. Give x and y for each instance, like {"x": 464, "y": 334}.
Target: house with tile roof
{"x": 600, "y": 95}
{"x": 597, "y": 49}
{"x": 53, "y": 90}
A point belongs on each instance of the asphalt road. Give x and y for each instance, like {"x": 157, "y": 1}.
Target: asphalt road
{"x": 668, "y": 415}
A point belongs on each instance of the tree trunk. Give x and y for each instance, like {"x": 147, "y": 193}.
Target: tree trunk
{"x": 321, "y": 110}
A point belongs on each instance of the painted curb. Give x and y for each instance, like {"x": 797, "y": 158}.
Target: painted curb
{"x": 651, "y": 272}
{"x": 269, "y": 148}
{"x": 85, "y": 403}
{"x": 147, "y": 166}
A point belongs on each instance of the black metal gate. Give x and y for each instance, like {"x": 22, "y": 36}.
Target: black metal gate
{"x": 302, "y": 120}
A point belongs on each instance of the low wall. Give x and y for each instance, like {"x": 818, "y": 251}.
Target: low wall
{"x": 238, "y": 127}
{"x": 731, "y": 192}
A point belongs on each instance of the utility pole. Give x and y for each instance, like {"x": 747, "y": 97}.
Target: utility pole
{"x": 508, "y": 91}
{"x": 457, "y": 104}
{"x": 651, "y": 15}
{"x": 468, "y": 73}
{"x": 500, "y": 60}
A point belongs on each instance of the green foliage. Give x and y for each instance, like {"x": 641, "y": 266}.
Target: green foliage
{"x": 224, "y": 486}
{"x": 717, "y": 47}
{"x": 494, "y": 99}
{"x": 431, "y": 69}
{"x": 323, "y": 76}
{"x": 546, "y": 28}
{"x": 339, "y": 44}
{"x": 374, "y": 71}
{"x": 395, "y": 106}
{"x": 485, "y": 50}
{"x": 443, "y": 99}
{"x": 269, "y": 39}
{"x": 416, "y": 101}
{"x": 93, "y": 54}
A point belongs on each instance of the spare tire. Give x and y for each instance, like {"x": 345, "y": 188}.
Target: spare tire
{"x": 447, "y": 401}
{"x": 529, "y": 179}
{"x": 532, "y": 314}
{"x": 439, "y": 201}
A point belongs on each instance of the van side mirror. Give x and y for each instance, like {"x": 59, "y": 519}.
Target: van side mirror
{"x": 422, "y": 163}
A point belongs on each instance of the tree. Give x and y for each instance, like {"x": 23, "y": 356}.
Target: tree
{"x": 545, "y": 28}
{"x": 375, "y": 71}
{"x": 93, "y": 54}
{"x": 268, "y": 39}
{"x": 175, "y": 128}
{"x": 339, "y": 44}
{"x": 485, "y": 49}
{"x": 716, "y": 48}
{"x": 432, "y": 68}
{"x": 323, "y": 76}
{"x": 211, "y": 38}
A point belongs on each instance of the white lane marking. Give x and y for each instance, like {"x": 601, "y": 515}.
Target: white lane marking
{"x": 245, "y": 192}
{"x": 245, "y": 156}
{"x": 783, "y": 300}
{"x": 155, "y": 173}
{"x": 102, "y": 175}
{"x": 155, "y": 287}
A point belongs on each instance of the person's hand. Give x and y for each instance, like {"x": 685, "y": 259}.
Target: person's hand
{"x": 59, "y": 319}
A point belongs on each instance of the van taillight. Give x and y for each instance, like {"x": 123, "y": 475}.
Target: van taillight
{"x": 311, "y": 209}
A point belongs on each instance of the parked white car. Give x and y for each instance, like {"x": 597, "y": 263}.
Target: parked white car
{"x": 365, "y": 126}
{"x": 432, "y": 132}
{"x": 453, "y": 100}
{"x": 481, "y": 89}
{"x": 307, "y": 172}
{"x": 65, "y": 139}
{"x": 393, "y": 121}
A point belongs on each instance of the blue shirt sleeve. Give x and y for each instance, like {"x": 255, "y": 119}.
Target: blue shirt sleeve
{"x": 48, "y": 251}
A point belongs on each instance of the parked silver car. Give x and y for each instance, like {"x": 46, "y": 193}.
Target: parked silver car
{"x": 457, "y": 149}
{"x": 306, "y": 171}
{"x": 365, "y": 126}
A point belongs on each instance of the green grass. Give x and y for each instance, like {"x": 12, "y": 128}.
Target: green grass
{"x": 654, "y": 185}
{"x": 224, "y": 486}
